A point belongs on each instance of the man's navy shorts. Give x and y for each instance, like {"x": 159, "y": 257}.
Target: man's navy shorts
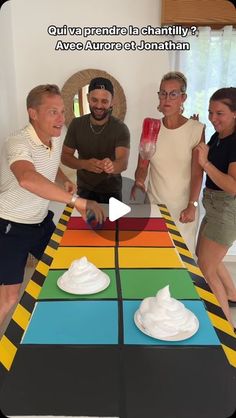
{"x": 17, "y": 241}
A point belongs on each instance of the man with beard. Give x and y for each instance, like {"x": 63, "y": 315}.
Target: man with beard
{"x": 102, "y": 142}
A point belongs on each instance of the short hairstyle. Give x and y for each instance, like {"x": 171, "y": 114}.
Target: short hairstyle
{"x": 226, "y": 95}
{"x": 35, "y": 95}
{"x": 178, "y": 76}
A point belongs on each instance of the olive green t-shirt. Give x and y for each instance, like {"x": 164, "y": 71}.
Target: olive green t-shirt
{"x": 100, "y": 145}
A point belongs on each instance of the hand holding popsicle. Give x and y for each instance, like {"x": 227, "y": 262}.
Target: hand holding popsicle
{"x": 92, "y": 221}
{"x": 94, "y": 213}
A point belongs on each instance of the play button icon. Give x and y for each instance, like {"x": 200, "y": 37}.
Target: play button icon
{"x": 132, "y": 215}
{"x": 117, "y": 209}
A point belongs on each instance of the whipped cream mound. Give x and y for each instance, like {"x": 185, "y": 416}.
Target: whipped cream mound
{"x": 163, "y": 316}
{"x": 83, "y": 277}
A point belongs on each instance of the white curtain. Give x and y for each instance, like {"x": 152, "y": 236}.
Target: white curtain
{"x": 209, "y": 65}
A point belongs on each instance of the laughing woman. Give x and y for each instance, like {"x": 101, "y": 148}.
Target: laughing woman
{"x": 218, "y": 228}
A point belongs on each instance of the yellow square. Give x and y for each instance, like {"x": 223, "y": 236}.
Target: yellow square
{"x": 149, "y": 258}
{"x": 101, "y": 257}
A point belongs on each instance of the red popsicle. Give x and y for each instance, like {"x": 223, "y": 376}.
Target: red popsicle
{"x": 147, "y": 146}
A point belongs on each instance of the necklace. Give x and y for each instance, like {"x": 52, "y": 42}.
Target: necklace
{"x": 99, "y": 131}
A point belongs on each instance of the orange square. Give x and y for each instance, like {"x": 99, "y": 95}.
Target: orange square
{"x": 144, "y": 239}
{"x": 88, "y": 238}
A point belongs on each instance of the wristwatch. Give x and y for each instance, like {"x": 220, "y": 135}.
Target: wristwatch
{"x": 73, "y": 199}
{"x": 194, "y": 203}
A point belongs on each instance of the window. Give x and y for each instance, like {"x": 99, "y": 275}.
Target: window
{"x": 209, "y": 65}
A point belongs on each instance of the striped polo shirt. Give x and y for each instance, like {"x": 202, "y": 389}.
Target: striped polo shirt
{"x": 16, "y": 203}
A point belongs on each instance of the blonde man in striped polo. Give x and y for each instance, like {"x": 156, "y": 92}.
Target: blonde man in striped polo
{"x": 29, "y": 167}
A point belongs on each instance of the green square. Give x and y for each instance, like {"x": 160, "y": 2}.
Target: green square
{"x": 50, "y": 290}
{"x": 141, "y": 283}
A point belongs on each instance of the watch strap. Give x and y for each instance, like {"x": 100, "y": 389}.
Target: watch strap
{"x": 73, "y": 200}
{"x": 194, "y": 203}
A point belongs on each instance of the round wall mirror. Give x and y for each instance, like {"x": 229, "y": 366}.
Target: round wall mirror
{"x": 74, "y": 93}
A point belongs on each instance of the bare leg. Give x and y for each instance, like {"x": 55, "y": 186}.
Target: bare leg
{"x": 199, "y": 236}
{"x": 210, "y": 255}
{"x": 227, "y": 281}
{"x": 9, "y": 295}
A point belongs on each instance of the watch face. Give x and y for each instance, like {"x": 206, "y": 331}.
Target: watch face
{"x": 195, "y": 204}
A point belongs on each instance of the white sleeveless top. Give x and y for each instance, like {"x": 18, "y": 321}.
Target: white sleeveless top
{"x": 170, "y": 172}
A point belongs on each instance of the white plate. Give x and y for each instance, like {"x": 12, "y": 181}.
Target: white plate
{"x": 103, "y": 287}
{"x": 184, "y": 335}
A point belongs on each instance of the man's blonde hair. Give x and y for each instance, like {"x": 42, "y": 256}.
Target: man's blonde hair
{"x": 35, "y": 95}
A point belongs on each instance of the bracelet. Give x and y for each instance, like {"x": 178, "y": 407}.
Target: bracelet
{"x": 139, "y": 183}
{"x": 73, "y": 200}
{"x": 204, "y": 167}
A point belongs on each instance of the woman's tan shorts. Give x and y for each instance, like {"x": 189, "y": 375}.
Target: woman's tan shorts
{"x": 219, "y": 223}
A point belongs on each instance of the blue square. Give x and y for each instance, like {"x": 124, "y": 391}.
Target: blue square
{"x": 73, "y": 322}
{"x": 205, "y": 335}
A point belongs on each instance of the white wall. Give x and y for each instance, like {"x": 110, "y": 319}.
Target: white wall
{"x": 28, "y": 57}
{"x": 8, "y": 105}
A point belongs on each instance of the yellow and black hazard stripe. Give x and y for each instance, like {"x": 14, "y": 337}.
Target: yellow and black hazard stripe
{"x": 21, "y": 316}
{"x": 222, "y": 326}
